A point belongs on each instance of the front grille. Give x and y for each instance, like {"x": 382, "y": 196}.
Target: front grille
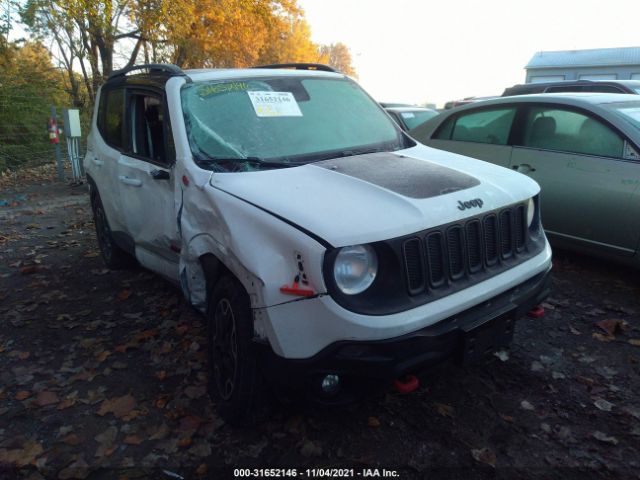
{"x": 455, "y": 253}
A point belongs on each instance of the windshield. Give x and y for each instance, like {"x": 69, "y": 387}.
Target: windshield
{"x": 282, "y": 121}
{"x": 628, "y": 111}
{"x": 417, "y": 117}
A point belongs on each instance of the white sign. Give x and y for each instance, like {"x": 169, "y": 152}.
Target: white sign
{"x": 407, "y": 115}
{"x": 275, "y": 104}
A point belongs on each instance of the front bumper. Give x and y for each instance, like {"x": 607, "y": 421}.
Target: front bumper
{"x": 488, "y": 325}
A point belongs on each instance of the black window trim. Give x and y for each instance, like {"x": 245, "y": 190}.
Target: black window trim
{"x": 518, "y": 132}
{"x": 130, "y": 91}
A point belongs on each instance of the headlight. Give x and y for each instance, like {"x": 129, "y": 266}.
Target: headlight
{"x": 531, "y": 211}
{"x": 355, "y": 268}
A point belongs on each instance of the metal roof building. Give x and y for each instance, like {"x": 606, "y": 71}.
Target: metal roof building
{"x": 594, "y": 64}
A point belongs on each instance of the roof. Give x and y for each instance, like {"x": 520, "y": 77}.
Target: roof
{"x": 586, "y": 58}
{"x": 568, "y": 98}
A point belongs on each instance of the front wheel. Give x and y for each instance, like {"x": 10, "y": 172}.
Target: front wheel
{"x": 235, "y": 382}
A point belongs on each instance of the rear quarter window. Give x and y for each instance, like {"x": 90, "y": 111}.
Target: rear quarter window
{"x": 111, "y": 117}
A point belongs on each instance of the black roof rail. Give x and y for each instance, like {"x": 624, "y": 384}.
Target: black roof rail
{"x": 151, "y": 67}
{"x": 301, "y": 66}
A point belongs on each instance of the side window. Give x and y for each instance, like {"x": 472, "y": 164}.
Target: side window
{"x": 112, "y": 119}
{"x": 485, "y": 126}
{"x": 569, "y": 131}
{"x": 146, "y": 124}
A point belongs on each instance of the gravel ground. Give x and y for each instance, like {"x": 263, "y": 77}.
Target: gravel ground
{"x": 103, "y": 375}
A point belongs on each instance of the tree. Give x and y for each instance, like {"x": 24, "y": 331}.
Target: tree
{"x": 84, "y": 31}
{"x": 291, "y": 42}
{"x": 29, "y": 84}
{"x": 339, "y": 57}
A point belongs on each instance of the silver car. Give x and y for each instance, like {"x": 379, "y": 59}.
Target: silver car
{"x": 583, "y": 150}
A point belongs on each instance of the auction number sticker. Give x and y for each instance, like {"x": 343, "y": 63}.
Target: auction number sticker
{"x": 274, "y": 104}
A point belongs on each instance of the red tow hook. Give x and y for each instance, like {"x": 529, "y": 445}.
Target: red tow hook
{"x": 406, "y": 384}
{"x": 536, "y": 312}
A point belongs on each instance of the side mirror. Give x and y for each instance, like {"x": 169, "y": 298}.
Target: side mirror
{"x": 159, "y": 174}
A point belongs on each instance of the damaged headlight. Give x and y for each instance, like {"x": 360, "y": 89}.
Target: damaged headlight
{"x": 355, "y": 268}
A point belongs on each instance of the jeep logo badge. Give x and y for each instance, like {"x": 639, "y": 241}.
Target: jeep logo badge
{"x": 476, "y": 202}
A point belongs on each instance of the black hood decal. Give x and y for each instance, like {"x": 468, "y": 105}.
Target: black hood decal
{"x": 403, "y": 175}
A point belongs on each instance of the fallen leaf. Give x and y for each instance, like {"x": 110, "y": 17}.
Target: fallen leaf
{"x": 22, "y": 395}
{"x": 506, "y": 418}
{"x": 503, "y": 355}
{"x": 603, "y": 437}
{"x": 603, "y": 338}
{"x": 132, "y": 440}
{"x": 146, "y": 335}
{"x": 445, "y": 410}
{"x": 23, "y": 456}
{"x": 603, "y": 405}
{"x": 103, "y": 355}
{"x": 484, "y": 455}
{"x": 45, "y": 398}
{"x": 189, "y": 423}
{"x": 119, "y": 406}
{"x": 124, "y": 294}
{"x": 201, "y": 471}
{"x": 612, "y": 326}
{"x": 526, "y": 405}
{"x": 161, "y": 375}
{"x": 373, "y": 422}
{"x": 161, "y": 432}
{"x": 635, "y": 341}
{"x": 72, "y": 439}
{"x": 574, "y": 330}
{"x": 184, "y": 442}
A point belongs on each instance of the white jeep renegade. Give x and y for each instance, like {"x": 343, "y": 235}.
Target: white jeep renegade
{"x": 323, "y": 243}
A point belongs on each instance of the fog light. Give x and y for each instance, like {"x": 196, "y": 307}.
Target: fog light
{"x": 330, "y": 384}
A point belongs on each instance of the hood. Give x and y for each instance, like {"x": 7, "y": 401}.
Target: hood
{"x": 372, "y": 197}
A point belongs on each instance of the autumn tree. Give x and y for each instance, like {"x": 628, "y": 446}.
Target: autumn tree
{"x": 85, "y": 34}
{"x": 89, "y": 35}
{"x": 29, "y": 84}
{"x": 339, "y": 57}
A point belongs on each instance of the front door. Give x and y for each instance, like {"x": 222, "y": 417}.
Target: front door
{"x": 146, "y": 182}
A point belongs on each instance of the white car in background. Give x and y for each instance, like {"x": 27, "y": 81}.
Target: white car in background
{"x": 410, "y": 117}
{"x": 322, "y": 243}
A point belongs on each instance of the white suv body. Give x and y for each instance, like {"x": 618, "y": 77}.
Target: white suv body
{"x": 357, "y": 247}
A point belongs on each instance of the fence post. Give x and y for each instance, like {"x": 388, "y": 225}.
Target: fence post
{"x": 56, "y": 147}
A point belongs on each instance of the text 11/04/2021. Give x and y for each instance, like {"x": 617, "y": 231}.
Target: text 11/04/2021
{"x": 315, "y": 472}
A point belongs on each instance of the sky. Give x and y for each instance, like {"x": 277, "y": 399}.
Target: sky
{"x": 419, "y": 51}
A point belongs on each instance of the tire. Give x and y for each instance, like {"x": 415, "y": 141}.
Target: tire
{"x": 113, "y": 256}
{"x": 235, "y": 382}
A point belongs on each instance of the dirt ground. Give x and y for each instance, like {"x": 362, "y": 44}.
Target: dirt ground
{"x": 103, "y": 375}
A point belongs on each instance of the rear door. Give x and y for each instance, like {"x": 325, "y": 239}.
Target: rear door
{"x": 146, "y": 182}
{"x": 481, "y": 133}
{"x": 587, "y": 184}
{"x": 105, "y": 150}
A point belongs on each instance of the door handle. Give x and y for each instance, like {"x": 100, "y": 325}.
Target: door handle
{"x": 524, "y": 168}
{"x": 134, "y": 182}
{"x": 97, "y": 162}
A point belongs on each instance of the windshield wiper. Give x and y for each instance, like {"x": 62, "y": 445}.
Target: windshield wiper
{"x": 230, "y": 163}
